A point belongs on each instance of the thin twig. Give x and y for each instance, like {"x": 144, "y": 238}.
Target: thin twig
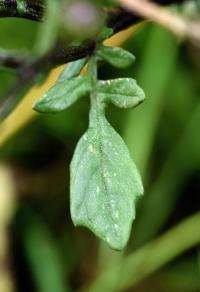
{"x": 27, "y": 71}
{"x": 177, "y": 24}
{"x": 118, "y": 19}
{"x": 35, "y": 10}
{"x": 13, "y": 59}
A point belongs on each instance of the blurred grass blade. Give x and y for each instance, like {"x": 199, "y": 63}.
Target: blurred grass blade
{"x": 153, "y": 77}
{"x": 49, "y": 29}
{"x": 143, "y": 262}
{"x": 184, "y": 159}
{"x": 42, "y": 253}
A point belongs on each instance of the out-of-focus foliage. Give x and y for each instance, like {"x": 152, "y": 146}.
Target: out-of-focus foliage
{"x": 46, "y": 252}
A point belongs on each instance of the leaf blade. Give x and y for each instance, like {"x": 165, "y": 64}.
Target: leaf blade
{"x": 63, "y": 95}
{"x": 72, "y": 70}
{"x": 104, "y": 185}
{"x": 115, "y": 56}
{"x": 122, "y": 92}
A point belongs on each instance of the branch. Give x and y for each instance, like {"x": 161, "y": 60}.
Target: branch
{"x": 13, "y": 59}
{"x": 29, "y": 9}
{"x": 35, "y": 10}
{"x": 23, "y": 112}
{"x": 118, "y": 19}
{"x": 27, "y": 70}
{"x": 178, "y": 25}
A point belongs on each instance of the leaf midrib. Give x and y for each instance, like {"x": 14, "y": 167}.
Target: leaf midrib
{"x": 102, "y": 170}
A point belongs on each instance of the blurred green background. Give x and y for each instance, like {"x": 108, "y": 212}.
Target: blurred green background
{"x": 40, "y": 250}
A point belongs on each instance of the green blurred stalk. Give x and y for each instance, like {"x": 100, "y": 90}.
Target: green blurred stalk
{"x": 184, "y": 158}
{"x": 148, "y": 259}
{"x": 42, "y": 254}
{"x": 182, "y": 276}
{"x": 48, "y": 30}
{"x": 158, "y": 63}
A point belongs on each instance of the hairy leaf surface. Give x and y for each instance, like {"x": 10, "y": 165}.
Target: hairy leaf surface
{"x": 63, "y": 95}
{"x": 104, "y": 184}
{"x": 116, "y": 56}
{"x": 72, "y": 70}
{"x": 122, "y": 92}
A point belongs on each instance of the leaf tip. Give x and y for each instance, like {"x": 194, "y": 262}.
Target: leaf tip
{"x": 37, "y": 106}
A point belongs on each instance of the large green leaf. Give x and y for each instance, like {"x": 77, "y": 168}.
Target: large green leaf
{"x": 116, "y": 56}
{"x": 63, "y": 95}
{"x": 104, "y": 184}
{"x": 123, "y": 92}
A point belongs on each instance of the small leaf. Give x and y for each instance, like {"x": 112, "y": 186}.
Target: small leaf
{"x": 104, "y": 185}
{"x": 63, "y": 95}
{"x": 72, "y": 70}
{"x": 105, "y": 33}
{"x": 122, "y": 92}
{"x": 116, "y": 56}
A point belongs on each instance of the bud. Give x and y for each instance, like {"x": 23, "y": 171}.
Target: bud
{"x": 82, "y": 19}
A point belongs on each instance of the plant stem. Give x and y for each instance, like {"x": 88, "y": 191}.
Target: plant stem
{"x": 33, "y": 10}
{"x": 95, "y": 105}
{"x": 148, "y": 259}
{"x": 172, "y": 21}
{"x": 92, "y": 69}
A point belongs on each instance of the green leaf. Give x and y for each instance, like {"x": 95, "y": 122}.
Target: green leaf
{"x": 122, "y": 92}
{"x": 105, "y": 33}
{"x": 116, "y": 56}
{"x": 104, "y": 184}
{"x": 63, "y": 95}
{"x": 72, "y": 70}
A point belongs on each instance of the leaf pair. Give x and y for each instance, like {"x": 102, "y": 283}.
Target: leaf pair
{"x": 123, "y": 93}
{"x": 70, "y": 88}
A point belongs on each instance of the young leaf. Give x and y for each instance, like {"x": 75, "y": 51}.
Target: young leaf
{"x": 105, "y": 33}
{"x": 72, "y": 70}
{"x": 122, "y": 92}
{"x": 116, "y": 56}
{"x": 63, "y": 95}
{"x": 104, "y": 184}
